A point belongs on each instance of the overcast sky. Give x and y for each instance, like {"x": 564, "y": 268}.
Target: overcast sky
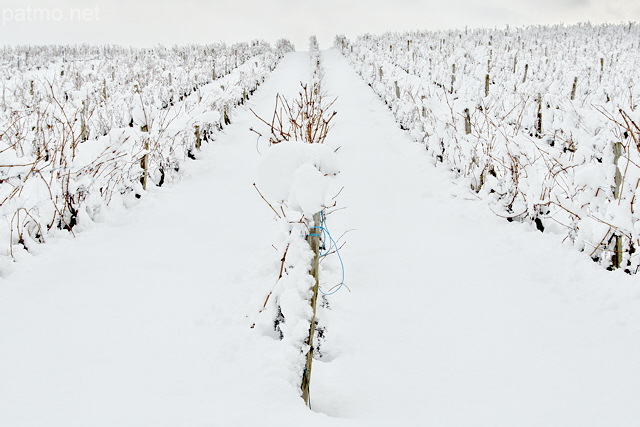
{"x": 150, "y": 22}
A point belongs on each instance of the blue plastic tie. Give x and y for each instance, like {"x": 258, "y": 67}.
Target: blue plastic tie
{"x": 332, "y": 246}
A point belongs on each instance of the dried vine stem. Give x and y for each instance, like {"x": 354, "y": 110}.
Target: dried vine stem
{"x": 307, "y": 118}
{"x": 267, "y": 202}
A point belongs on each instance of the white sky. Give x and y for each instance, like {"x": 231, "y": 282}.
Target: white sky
{"x": 149, "y": 22}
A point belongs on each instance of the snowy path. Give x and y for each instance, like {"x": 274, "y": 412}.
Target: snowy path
{"x": 455, "y": 318}
{"x": 139, "y": 322}
{"x": 458, "y": 318}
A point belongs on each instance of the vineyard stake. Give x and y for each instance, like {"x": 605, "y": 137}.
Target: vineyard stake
{"x": 314, "y": 242}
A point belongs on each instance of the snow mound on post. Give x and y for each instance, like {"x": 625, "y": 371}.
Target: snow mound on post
{"x": 298, "y": 175}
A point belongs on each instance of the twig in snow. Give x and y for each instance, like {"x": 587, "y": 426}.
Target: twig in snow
{"x": 266, "y": 201}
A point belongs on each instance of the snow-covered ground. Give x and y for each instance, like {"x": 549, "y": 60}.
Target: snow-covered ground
{"x": 528, "y": 117}
{"x": 454, "y": 317}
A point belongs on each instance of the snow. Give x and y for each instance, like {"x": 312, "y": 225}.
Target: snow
{"x": 454, "y": 317}
{"x": 510, "y": 126}
{"x": 97, "y": 124}
{"x": 299, "y": 174}
{"x": 208, "y": 117}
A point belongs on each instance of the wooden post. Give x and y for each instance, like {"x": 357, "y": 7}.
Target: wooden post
{"x": 618, "y": 148}
{"x": 467, "y": 121}
{"x": 573, "y": 89}
{"x": 83, "y": 124}
{"x": 616, "y": 259}
{"x": 198, "y": 139}
{"x": 486, "y": 85}
{"x": 144, "y": 163}
{"x": 397, "y": 89}
{"x": 314, "y": 242}
{"x": 453, "y": 76}
{"x": 539, "y": 117}
{"x": 526, "y": 68}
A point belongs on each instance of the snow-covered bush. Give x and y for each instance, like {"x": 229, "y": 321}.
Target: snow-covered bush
{"x": 530, "y": 117}
{"x": 296, "y": 178}
{"x": 82, "y": 127}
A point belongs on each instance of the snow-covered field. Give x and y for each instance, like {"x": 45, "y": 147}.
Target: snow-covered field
{"x": 452, "y": 316}
{"x": 542, "y": 122}
{"x": 82, "y": 128}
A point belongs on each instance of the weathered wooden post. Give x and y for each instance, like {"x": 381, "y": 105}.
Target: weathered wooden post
{"x": 83, "y": 124}
{"x": 453, "y": 76}
{"x": 314, "y": 243}
{"x": 144, "y": 164}
{"x": 573, "y": 89}
{"x": 526, "y": 68}
{"x": 616, "y": 259}
{"x": 397, "y": 89}
{"x": 618, "y": 148}
{"x": 467, "y": 121}
{"x": 486, "y": 85}
{"x": 539, "y": 116}
{"x": 198, "y": 139}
